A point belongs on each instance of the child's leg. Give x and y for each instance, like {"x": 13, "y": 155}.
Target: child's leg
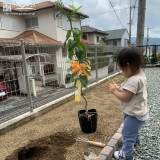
{"x": 130, "y": 132}
{"x": 137, "y": 140}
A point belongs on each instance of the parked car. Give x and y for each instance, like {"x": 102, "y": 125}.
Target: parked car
{"x": 5, "y": 91}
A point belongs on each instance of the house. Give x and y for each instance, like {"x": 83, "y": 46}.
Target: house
{"x": 42, "y": 19}
{"x": 93, "y": 34}
{"x": 118, "y": 37}
{"x": 38, "y": 25}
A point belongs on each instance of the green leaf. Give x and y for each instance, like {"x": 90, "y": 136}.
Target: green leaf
{"x": 75, "y": 32}
{"x": 72, "y": 77}
{"x": 79, "y": 53}
{"x": 71, "y": 6}
{"x": 82, "y": 50}
{"x": 71, "y": 44}
{"x": 77, "y": 39}
{"x": 57, "y": 14}
{"x": 75, "y": 83}
{"x": 77, "y": 9}
{"x": 83, "y": 80}
{"x": 70, "y": 55}
{"x": 80, "y": 33}
{"x": 68, "y": 34}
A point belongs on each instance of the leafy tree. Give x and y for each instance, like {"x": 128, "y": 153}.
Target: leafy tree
{"x": 80, "y": 66}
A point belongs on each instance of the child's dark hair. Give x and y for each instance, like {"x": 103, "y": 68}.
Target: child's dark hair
{"x": 133, "y": 56}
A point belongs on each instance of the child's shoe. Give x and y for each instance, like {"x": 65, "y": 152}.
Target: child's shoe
{"x": 121, "y": 156}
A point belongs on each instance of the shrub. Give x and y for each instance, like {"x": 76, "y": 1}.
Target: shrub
{"x": 102, "y": 61}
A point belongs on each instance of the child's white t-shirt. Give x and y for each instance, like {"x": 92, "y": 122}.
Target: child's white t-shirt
{"x": 137, "y": 105}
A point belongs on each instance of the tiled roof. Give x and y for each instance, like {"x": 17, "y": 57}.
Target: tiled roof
{"x": 4, "y": 39}
{"x": 36, "y": 37}
{"x": 87, "y": 29}
{"x": 86, "y": 41}
{"x": 40, "y": 6}
{"x": 33, "y": 37}
{"x": 115, "y": 34}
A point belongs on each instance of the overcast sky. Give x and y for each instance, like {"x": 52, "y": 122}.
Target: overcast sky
{"x": 102, "y": 16}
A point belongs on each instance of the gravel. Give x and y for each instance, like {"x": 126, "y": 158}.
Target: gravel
{"x": 149, "y": 148}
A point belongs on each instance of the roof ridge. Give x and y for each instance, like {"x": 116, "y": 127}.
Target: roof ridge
{"x": 51, "y": 2}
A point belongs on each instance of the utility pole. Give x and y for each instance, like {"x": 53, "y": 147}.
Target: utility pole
{"x": 130, "y": 24}
{"x": 148, "y": 35}
{"x": 141, "y": 22}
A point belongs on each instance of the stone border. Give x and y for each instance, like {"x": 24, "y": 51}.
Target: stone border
{"x": 112, "y": 145}
{"x": 15, "y": 122}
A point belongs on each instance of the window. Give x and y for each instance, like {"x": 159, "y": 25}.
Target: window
{"x": 97, "y": 38}
{"x": 10, "y": 24}
{"x": 64, "y": 52}
{"x": 31, "y": 22}
{"x": 74, "y": 24}
{"x": 85, "y": 36}
{"x": 59, "y": 21}
{"x": 115, "y": 43}
{"x": 65, "y": 23}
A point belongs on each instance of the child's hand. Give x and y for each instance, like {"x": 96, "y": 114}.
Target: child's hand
{"x": 115, "y": 85}
{"x": 112, "y": 87}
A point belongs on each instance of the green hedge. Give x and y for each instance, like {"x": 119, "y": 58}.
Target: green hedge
{"x": 102, "y": 61}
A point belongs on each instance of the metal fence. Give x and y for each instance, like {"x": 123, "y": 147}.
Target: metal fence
{"x": 151, "y": 52}
{"x": 32, "y": 75}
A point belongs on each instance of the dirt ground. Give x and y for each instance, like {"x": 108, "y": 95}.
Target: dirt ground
{"x": 53, "y": 136}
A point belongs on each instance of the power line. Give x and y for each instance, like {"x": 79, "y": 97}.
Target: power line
{"x": 108, "y": 11}
{"x": 116, "y": 14}
{"x": 134, "y": 10}
{"x": 65, "y": 1}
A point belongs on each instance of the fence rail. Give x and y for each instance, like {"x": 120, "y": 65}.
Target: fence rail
{"x": 32, "y": 75}
{"x": 152, "y": 53}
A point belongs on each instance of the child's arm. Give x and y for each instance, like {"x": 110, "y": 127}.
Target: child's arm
{"x": 124, "y": 96}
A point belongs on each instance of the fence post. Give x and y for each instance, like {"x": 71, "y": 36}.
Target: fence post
{"x": 96, "y": 63}
{"x": 26, "y": 75}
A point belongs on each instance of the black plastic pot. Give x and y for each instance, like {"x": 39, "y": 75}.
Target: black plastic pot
{"x": 88, "y": 123}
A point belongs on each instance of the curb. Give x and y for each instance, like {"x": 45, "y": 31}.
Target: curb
{"x": 112, "y": 146}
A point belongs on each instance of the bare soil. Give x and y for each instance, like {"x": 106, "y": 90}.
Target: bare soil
{"x": 53, "y": 136}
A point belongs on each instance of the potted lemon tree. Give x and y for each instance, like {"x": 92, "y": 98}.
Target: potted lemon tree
{"x": 79, "y": 67}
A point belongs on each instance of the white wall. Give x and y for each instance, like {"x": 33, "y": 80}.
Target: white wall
{"x": 61, "y": 33}
{"x": 61, "y": 67}
{"x": 125, "y": 36}
{"x": 93, "y": 37}
{"x": 102, "y": 72}
{"x": 46, "y": 23}
{"x": 90, "y": 37}
{"x": 4, "y": 33}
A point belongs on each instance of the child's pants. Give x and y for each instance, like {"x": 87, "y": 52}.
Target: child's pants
{"x": 130, "y": 133}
